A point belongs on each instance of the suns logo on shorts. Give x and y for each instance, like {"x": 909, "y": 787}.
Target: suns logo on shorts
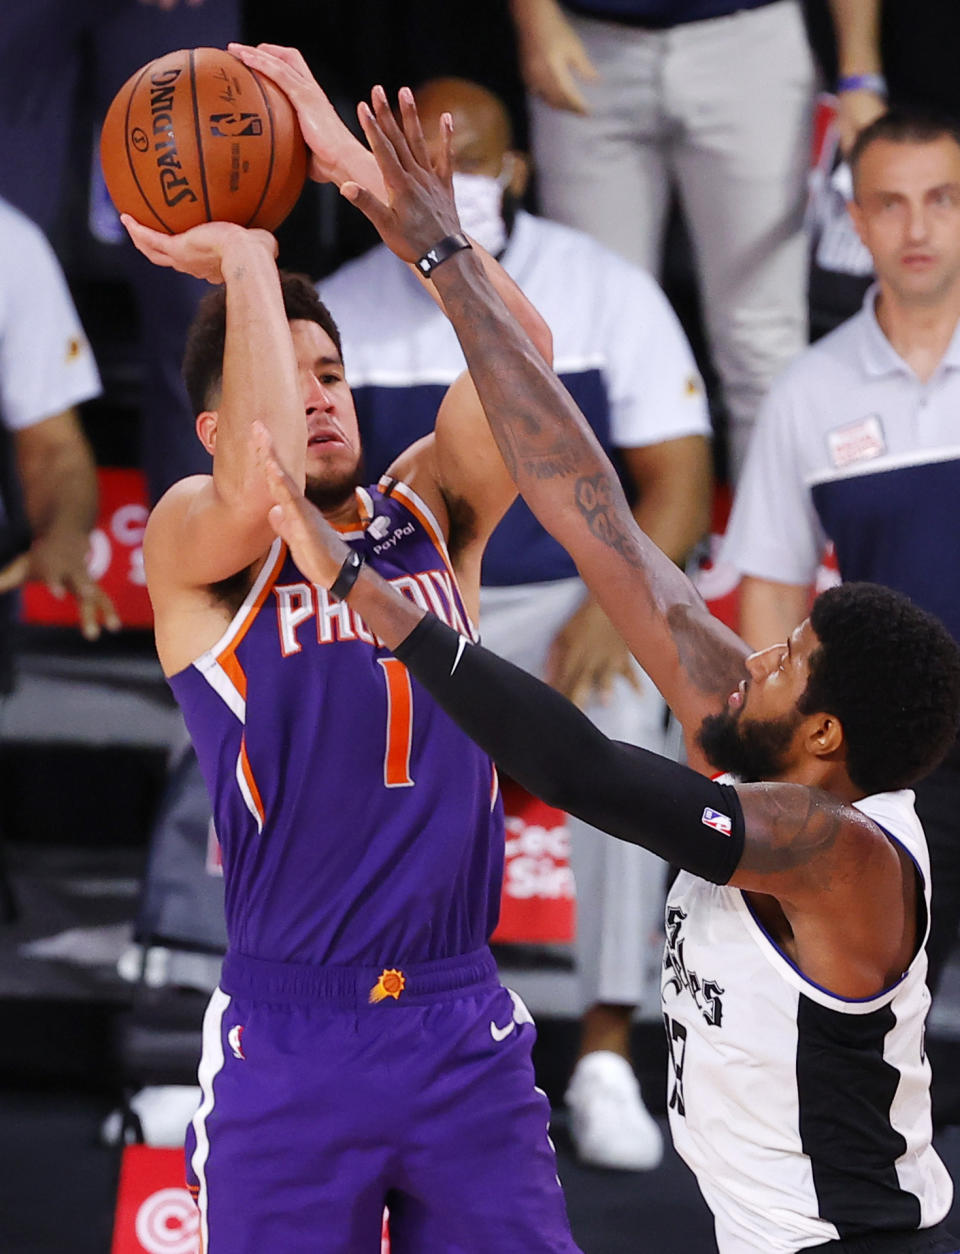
{"x": 390, "y": 984}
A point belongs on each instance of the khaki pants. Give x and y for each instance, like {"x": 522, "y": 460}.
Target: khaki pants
{"x": 719, "y": 110}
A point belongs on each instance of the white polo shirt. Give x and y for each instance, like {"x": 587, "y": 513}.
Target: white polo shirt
{"x": 852, "y": 447}
{"x": 46, "y": 364}
{"x": 618, "y": 348}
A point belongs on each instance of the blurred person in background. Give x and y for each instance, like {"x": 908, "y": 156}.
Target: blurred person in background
{"x": 48, "y": 483}
{"x": 633, "y": 100}
{"x": 60, "y": 59}
{"x": 875, "y": 51}
{"x": 857, "y": 441}
{"x": 49, "y": 500}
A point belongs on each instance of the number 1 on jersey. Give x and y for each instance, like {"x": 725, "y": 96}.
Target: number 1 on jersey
{"x": 396, "y": 757}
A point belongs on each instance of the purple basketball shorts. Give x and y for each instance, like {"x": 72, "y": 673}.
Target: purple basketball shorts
{"x": 330, "y": 1093}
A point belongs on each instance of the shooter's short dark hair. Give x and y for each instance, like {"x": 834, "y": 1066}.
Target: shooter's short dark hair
{"x": 203, "y": 356}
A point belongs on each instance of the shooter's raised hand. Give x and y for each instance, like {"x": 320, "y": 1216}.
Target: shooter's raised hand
{"x": 331, "y": 144}
{"x": 419, "y": 209}
{"x": 200, "y": 251}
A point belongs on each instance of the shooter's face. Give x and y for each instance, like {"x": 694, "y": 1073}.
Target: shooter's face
{"x": 333, "y": 438}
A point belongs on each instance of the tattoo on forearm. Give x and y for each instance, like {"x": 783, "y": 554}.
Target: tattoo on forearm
{"x": 597, "y": 503}
{"x": 556, "y": 463}
{"x": 542, "y": 437}
{"x": 525, "y": 447}
{"x": 708, "y": 661}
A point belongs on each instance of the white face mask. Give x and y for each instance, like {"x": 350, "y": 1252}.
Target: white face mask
{"x": 479, "y": 201}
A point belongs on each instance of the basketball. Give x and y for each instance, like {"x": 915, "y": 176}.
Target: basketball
{"x": 195, "y": 136}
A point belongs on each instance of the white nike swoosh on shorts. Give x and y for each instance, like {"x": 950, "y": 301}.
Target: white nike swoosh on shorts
{"x": 500, "y": 1034}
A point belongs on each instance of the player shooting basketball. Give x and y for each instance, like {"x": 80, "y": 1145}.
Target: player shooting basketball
{"x": 362, "y": 836}
{"x": 793, "y": 979}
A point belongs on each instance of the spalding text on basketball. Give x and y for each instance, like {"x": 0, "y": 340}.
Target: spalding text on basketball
{"x": 174, "y": 185}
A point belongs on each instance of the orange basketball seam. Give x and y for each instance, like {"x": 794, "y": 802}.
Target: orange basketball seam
{"x": 273, "y": 144}
{"x": 131, "y": 164}
{"x": 201, "y": 158}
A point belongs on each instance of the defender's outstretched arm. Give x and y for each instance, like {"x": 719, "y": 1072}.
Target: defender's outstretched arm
{"x": 337, "y": 156}
{"x": 795, "y": 843}
{"x": 562, "y": 471}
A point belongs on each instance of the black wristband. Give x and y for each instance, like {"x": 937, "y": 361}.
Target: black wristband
{"x": 439, "y": 253}
{"x": 347, "y": 575}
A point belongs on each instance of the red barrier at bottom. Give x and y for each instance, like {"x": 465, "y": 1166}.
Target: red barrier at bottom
{"x": 155, "y": 1212}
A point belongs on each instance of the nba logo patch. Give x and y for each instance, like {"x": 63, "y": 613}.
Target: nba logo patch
{"x": 719, "y": 822}
{"x": 235, "y": 1041}
{"x": 230, "y": 125}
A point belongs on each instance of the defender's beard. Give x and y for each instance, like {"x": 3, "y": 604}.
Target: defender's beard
{"x": 754, "y": 750}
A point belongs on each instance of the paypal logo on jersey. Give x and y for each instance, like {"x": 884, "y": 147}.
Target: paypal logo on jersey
{"x": 399, "y": 532}
{"x": 379, "y": 527}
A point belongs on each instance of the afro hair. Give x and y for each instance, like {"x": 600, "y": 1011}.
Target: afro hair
{"x": 890, "y": 672}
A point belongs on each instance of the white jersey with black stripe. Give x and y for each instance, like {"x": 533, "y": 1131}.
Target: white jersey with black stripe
{"x": 805, "y": 1116}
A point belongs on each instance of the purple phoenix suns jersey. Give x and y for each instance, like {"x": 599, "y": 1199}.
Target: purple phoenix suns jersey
{"x": 358, "y": 824}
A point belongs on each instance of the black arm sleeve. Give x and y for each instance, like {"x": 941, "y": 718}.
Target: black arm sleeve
{"x": 542, "y": 740}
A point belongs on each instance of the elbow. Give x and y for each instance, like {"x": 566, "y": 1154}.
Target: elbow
{"x": 245, "y": 499}
{"x": 543, "y": 776}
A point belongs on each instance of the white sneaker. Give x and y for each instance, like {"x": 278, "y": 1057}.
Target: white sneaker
{"x": 609, "y": 1124}
{"x": 164, "y": 1111}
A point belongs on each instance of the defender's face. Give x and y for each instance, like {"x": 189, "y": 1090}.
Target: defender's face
{"x": 333, "y": 438}
{"x": 907, "y": 212}
{"x": 756, "y": 736}
{"x": 777, "y": 679}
